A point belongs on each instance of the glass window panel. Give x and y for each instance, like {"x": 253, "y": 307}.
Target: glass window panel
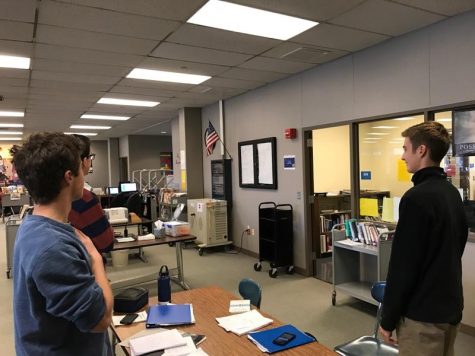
{"x": 382, "y": 172}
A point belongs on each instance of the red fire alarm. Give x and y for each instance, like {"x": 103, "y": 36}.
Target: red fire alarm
{"x": 290, "y": 133}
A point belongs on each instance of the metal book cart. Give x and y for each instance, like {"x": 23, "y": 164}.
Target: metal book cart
{"x": 276, "y": 242}
{"x": 356, "y": 267}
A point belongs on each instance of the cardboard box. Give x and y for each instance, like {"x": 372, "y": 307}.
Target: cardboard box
{"x": 177, "y": 228}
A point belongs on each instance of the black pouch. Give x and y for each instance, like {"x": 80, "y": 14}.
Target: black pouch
{"x": 131, "y": 300}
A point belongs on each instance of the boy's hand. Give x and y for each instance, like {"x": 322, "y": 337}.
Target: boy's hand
{"x": 90, "y": 248}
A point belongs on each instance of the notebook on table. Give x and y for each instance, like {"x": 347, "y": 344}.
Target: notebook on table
{"x": 169, "y": 314}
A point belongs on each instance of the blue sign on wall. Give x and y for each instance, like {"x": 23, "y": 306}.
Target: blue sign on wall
{"x": 365, "y": 175}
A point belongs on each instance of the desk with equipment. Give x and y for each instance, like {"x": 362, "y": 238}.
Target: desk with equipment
{"x": 178, "y": 278}
{"x": 208, "y": 304}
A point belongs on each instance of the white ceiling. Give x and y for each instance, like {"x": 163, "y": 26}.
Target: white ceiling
{"x": 82, "y": 50}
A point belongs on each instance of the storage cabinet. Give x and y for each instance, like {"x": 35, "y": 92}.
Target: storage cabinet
{"x": 276, "y": 242}
{"x": 357, "y": 266}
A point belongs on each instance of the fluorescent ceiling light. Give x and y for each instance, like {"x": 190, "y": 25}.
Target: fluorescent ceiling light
{"x": 81, "y": 133}
{"x": 163, "y": 76}
{"x": 12, "y": 113}
{"x": 369, "y": 142}
{"x": 404, "y": 118}
{"x": 378, "y": 133}
{"x": 89, "y": 127}
{"x": 14, "y": 62}
{"x": 115, "y": 101}
{"x": 5, "y": 132}
{"x": 383, "y": 127}
{"x": 249, "y": 20}
{"x": 10, "y": 138}
{"x": 104, "y": 117}
{"x": 372, "y": 138}
{"x": 444, "y": 120}
{"x": 10, "y": 125}
{"x": 163, "y": 132}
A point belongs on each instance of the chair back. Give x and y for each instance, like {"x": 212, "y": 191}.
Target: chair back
{"x": 135, "y": 204}
{"x": 377, "y": 291}
{"x": 251, "y": 290}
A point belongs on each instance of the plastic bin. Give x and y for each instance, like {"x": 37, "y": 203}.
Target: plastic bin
{"x": 120, "y": 258}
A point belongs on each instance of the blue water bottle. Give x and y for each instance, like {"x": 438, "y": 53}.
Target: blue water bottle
{"x": 164, "y": 288}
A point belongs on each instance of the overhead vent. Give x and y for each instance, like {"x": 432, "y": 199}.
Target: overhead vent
{"x": 201, "y": 89}
{"x": 307, "y": 54}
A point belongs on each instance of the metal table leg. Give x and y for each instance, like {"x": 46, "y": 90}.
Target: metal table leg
{"x": 180, "y": 279}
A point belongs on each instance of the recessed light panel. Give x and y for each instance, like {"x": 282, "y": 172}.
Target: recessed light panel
{"x": 249, "y": 20}
{"x": 10, "y": 125}
{"x": 88, "y": 127}
{"x": 5, "y": 132}
{"x": 384, "y": 127}
{"x": 128, "y": 102}
{"x": 163, "y": 76}
{"x": 14, "y": 62}
{"x": 81, "y": 133}
{"x": 12, "y": 113}
{"x": 10, "y": 138}
{"x": 104, "y": 117}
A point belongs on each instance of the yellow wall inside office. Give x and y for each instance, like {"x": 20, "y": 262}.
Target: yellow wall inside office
{"x": 331, "y": 159}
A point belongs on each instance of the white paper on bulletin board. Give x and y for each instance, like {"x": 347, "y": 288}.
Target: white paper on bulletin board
{"x": 247, "y": 164}
{"x": 264, "y": 152}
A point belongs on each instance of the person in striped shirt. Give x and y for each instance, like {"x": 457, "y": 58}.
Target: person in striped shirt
{"x": 86, "y": 213}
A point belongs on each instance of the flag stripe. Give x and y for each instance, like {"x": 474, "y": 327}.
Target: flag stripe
{"x": 211, "y": 137}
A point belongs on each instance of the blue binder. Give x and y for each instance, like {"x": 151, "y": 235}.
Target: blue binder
{"x": 168, "y": 314}
{"x": 264, "y": 338}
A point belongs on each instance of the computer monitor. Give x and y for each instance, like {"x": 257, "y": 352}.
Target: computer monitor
{"x": 128, "y": 187}
{"x": 113, "y": 190}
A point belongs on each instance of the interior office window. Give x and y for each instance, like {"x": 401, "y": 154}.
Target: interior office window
{"x": 460, "y": 171}
{"x": 332, "y": 203}
{"x": 383, "y": 175}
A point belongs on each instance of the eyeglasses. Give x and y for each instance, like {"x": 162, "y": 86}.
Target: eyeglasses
{"x": 92, "y": 156}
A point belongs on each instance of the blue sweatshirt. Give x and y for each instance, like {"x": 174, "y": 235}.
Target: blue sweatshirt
{"x": 56, "y": 301}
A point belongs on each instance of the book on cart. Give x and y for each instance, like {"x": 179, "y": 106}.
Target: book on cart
{"x": 267, "y": 340}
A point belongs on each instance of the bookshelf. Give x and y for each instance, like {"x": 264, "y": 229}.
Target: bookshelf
{"x": 357, "y": 266}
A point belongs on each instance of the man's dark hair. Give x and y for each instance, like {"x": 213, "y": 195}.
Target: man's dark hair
{"x": 42, "y": 161}
{"x": 432, "y": 134}
{"x": 85, "y": 145}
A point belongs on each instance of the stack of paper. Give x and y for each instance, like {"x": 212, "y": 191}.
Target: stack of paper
{"x": 243, "y": 323}
{"x": 239, "y": 306}
{"x": 169, "y": 314}
{"x": 170, "y": 343}
{"x": 264, "y": 339}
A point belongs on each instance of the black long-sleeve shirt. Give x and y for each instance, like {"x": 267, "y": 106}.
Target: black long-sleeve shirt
{"x": 424, "y": 281}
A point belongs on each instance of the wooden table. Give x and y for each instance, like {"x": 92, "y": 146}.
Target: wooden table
{"x": 209, "y": 303}
{"x": 176, "y": 274}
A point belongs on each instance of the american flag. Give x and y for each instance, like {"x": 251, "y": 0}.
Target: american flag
{"x": 211, "y": 137}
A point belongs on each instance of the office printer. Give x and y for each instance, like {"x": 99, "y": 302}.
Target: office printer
{"x": 117, "y": 215}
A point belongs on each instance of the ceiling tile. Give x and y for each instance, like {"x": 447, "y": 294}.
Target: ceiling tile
{"x": 386, "y": 18}
{"x": 15, "y": 48}
{"x": 120, "y": 88}
{"x": 304, "y": 53}
{"x": 449, "y": 8}
{"x": 276, "y": 65}
{"x": 73, "y": 77}
{"x": 63, "y": 53}
{"x": 104, "y": 21}
{"x": 18, "y": 31}
{"x": 233, "y": 83}
{"x": 80, "y": 68}
{"x": 12, "y": 104}
{"x": 48, "y": 83}
{"x": 15, "y": 82}
{"x": 93, "y": 40}
{"x": 115, "y": 110}
{"x": 23, "y": 10}
{"x": 199, "y": 54}
{"x": 208, "y": 37}
{"x": 337, "y": 37}
{"x": 169, "y": 9}
{"x": 319, "y": 10}
{"x": 13, "y": 73}
{"x": 250, "y": 74}
{"x": 182, "y": 66}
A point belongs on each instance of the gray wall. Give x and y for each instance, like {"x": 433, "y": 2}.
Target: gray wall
{"x": 426, "y": 68}
{"x": 113, "y": 150}
{"x": 144, "y": 151}
{"x": 100, "y": 165}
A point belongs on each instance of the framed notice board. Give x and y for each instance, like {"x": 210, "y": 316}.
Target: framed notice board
{"x": 258, "y": 163}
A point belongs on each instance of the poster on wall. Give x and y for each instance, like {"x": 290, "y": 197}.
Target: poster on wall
{"x": 289, "y": 162}
{"x": 463, "y": 132}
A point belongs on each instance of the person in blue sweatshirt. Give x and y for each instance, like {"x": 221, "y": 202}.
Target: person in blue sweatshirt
{"x": 423, "y": 300}
{"x": 62, "y": 300}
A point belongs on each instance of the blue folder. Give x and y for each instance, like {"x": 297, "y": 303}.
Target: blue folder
{"x": 168, "y": 314}
{"x": 264, "y": 338}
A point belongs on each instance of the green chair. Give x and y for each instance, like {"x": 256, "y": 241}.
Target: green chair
{"x": 251, "y": 290}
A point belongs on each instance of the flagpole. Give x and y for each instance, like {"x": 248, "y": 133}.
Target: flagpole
{"x": 225, "y": 148}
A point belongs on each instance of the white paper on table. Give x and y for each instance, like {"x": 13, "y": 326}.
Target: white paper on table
{"x": 160, "y": 341}
{"x": 182, "y": 350}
